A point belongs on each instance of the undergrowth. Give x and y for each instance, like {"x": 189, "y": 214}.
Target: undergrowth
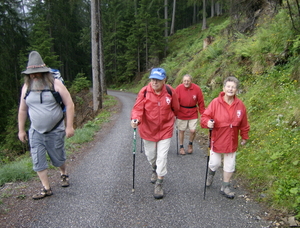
{"x": 267, "y": 64}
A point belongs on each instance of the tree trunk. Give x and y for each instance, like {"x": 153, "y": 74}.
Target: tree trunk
{"x": 204, "y": 16}
{"x": 212, "y": 8}
{"x": 166, "y": 27}
{"x": 194, "y": 13}
{"x": 217, "y": 8}
{"x": 101, "y": 57}
{"x": 173, "y": 18}
{"x": 135, "y": 7}
{"x": 97, "y": 102}
{"x": 146, "y": 50}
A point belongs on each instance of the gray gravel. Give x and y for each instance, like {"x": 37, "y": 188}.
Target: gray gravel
{"x": 100, "y": 194}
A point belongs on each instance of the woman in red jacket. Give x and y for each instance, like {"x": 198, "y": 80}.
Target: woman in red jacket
{"x": 229, "y": 120}
{"x": 154, "y": 112}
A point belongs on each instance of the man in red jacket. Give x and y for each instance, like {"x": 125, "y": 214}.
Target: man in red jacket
{"x": 191, "y": 104}
{"x": 154, "y": 113}
{"x": 229, "y": 120}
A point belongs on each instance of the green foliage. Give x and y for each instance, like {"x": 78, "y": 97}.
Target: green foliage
{"x": 80, "y": 83}
{"x": 12, "y": 40}
{"x": 20, "y": 170}
{"x": 41, "y": 41}
{"x": 270, "y": 161}
{"x": 267, "y": 64}
{"x": 12, "y": 146}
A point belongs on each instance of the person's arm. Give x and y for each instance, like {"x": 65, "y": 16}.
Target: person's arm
{"x": 201, "y": 104}
{"x": 244, "y": 128}
{"x": 68, "y": 102}
{"x": 175, "y": 102}
{"x": 206, "y": 117}
{"x": 138, "y": 108}
{"x": 22, "y": 116}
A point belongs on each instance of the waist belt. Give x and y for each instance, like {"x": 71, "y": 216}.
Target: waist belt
{"x": 188, "y": 107}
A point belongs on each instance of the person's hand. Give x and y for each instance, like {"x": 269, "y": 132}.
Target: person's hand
{"x": 243, "y": 142}
{"x": 23, "y": 136}
{"x": 69, "y": 132}
{"x": 134, "y": 123}
{"x": 210, "y": 124}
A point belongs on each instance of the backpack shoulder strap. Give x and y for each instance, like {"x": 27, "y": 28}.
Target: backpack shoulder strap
{"x": 169, "y": 90}
{"x": 27, "y": 93}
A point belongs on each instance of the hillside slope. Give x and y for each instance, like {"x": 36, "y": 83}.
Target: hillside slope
{"x": 266, "y": 61}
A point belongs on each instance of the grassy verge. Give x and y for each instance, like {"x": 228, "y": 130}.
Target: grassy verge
{"x": 21, "y": 170}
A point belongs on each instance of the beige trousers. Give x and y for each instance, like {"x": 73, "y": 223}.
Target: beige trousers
{"x": 156, "y": 153}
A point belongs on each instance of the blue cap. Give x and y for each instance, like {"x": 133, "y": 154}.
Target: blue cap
{"x": 158, "y": 73}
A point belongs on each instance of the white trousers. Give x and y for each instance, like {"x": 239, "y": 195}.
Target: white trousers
{"x": 156, "y": 153}
{"x": 215, "y": 160}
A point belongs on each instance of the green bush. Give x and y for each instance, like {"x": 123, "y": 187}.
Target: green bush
{"x": 80, "y": 83}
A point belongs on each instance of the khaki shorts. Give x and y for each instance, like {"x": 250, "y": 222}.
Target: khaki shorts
{"x": 187, "y": 124}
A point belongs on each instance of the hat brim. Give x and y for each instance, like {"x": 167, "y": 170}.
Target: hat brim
{"x": 156, "y": 76}
{"x": 36, "y": 70}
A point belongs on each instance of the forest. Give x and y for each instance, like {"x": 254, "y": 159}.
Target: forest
{"x": 257, "y": 41}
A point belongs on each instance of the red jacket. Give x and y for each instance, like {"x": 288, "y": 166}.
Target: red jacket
{"x": 226, "y": 128}
{"x": 155, "y": 113}
{"x": 189, "y": 98}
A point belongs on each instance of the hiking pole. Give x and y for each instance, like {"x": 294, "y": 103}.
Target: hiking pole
{"x": 141, "y": 145}
{"x": 133, "y": 153}
{"x": 177, "y": 137}
{"x": 207, "y": 161}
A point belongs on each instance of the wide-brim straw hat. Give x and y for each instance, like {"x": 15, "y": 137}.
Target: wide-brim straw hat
{"x": 35, "y": 64}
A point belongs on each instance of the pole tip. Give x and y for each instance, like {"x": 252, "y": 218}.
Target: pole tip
{"x": 132, "y": 190}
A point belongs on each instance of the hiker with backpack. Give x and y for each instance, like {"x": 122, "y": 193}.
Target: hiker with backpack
{"x": 41, "y": 99}
{"x": 226, "y": 116}
{"x": 191, "y": 102}
{"x": 154, "y": 114}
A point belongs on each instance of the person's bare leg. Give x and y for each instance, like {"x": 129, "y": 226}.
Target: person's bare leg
{"x": 227, "y": 176}
{"x": 191, "y": 139}
{"x": 192, "y": 135}
{"x": 64, "y": 175}
{"x": 181, "y": 139}
{"x": 43, "y": 175}
{"x": 63, "y": 169}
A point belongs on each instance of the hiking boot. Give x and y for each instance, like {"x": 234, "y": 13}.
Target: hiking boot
{"x": 64, "y": 180}
{"x": 153, "y": 177}
{"x": 226, "y": 191}
{"x": 190, "y": 149}
{"x": 42, "y": 194}
{"x": 158, "y": 191}
{"x": 182, "y": 152}
{"x": 210, "y": 178}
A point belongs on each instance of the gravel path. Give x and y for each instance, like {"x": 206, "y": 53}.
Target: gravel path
{"x": 100, "y": 192}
